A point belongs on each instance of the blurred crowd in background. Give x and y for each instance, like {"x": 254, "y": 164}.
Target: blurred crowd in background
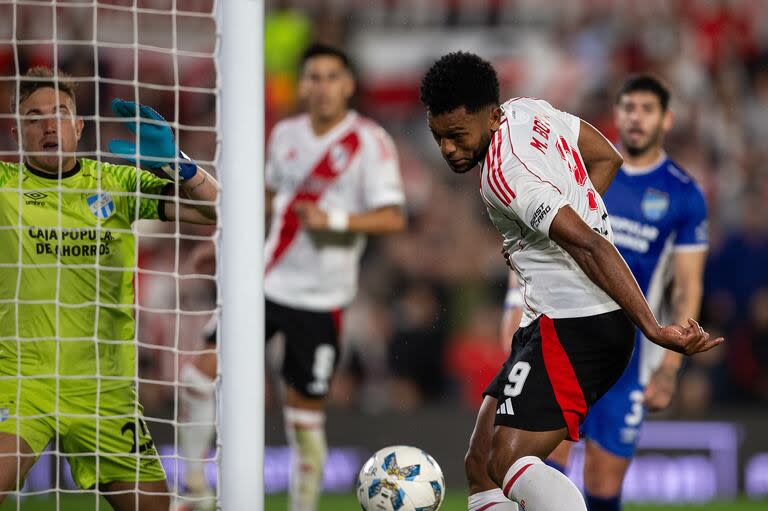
{"x": 425, "y": 327}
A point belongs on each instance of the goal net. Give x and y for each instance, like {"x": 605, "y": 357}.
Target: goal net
{"x": 98, "y": 296}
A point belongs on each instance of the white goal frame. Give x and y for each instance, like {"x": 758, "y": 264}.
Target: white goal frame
{"x": 241, "y": 207}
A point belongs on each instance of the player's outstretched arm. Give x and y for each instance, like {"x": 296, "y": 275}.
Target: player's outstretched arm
{"x": 157, "y": 150}
{"x": 603, "y": 264}
{"x": 383, "y": 220}
{"x": 687, "y": 291}
{"x": 600, "y": 157}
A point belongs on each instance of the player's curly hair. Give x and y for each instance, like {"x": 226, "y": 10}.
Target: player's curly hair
{"x": 459, "y": 79}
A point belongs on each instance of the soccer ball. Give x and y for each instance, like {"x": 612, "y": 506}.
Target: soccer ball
{"x": 400, "y": 478}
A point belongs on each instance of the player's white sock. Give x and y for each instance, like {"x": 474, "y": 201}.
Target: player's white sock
{"x": 491, "y": 500}
{"x": 537, "y": 486}
{"x": 305, "y": 430}
{"x": 198, "y": 406}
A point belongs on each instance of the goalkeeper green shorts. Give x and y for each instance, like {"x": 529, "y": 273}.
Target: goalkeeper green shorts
{"x": 113, "y": 445}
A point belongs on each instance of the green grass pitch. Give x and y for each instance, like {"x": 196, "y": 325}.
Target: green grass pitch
{"x": 455, "y": 501}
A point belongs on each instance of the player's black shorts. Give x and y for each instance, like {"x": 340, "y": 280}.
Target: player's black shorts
{"x": 558, "y": 368}
{"x": 311, "y": 345}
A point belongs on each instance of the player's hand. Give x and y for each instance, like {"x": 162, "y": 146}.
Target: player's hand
{"x": 660, "y": 388}
{"x": 687, "y": 340}
{"x": 157, "y": 147}
{"x": 311, "y": 216}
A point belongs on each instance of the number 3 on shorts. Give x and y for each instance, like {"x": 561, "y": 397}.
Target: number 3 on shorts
{"x": 516, "y": 379}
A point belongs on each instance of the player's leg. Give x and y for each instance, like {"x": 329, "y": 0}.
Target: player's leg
{"x": 24, "y": 430}
{"x": 558, "y": 459}
{"x": 483, "y": 492}
{"x": 603, "y": 478}
{"x": 529, "y": 423}
{"x": 612, "y": 429}
{"x": 113, "y": 450}
{"x": 305, "y": 431}
{"x": 517, "y": 467}
{"x": 311, "y": 349}
{"x": 556, "y": 370}
{"x": 132, "y": 496}
{"x": 16, "y": 458}
{"x": 197, "y": 426}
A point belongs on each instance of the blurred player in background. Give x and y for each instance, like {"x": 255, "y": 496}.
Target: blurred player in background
{"x": 68, "y": 354}
{"x": 542, "y": 173}
{"x": 332, "y": 177}
{"x": 659, "y": 220}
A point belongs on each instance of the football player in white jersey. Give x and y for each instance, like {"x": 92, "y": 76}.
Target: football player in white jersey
{"x": 332, "y": 177}
{"x": 542, "y": 175}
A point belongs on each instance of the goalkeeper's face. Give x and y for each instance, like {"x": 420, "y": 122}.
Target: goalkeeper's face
{"x": 50, "y": 130}
{"x": 326, "y": 87}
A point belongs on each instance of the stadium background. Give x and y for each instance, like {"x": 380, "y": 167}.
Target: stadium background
{"x": 420, "y": 341}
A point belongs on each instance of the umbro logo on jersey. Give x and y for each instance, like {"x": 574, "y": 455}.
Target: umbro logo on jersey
{"x": 505, "y": 408}
{"x": 101, "y": 205}
{"x": 35, "y": 198}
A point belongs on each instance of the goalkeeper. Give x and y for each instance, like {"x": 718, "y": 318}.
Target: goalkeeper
{"x": 67, "y": 262}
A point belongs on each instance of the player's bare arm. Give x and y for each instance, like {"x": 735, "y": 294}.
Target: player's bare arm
{"x": 687, "y": 290}
{"x": 384, "y": 220}
{"x": 201, "y": 188}
{"x": 601, "y": 262}
{"x": 600, "y": 156}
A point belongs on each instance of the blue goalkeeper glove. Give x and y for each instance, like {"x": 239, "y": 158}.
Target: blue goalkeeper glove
{"x": 157, "y": 148}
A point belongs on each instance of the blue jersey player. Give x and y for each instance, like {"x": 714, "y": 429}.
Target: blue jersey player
{"x": 659, "y": 220}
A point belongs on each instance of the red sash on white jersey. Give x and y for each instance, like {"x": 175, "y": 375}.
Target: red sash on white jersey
{"x": 334, "y": 163}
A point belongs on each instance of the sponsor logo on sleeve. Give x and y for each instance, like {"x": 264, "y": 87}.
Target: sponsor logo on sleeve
{"x": 101, "y": 205}
{"x": 540, "y": 214}
{"x": 515, "y": 116}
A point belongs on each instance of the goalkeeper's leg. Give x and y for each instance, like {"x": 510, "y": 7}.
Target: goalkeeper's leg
{"x": 305, "y": 430}
{"x": 197, "y": 429}
{"x": 144, "y": 496}
{"x": 16, "y": 458}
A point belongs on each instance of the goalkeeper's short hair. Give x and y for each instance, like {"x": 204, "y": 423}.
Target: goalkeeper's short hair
{"x": 40, "y": 77}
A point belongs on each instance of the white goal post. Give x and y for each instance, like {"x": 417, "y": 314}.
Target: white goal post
{"x": 242, "y": 226}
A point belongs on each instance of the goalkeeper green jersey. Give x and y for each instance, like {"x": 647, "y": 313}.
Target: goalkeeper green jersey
{"x": 67, "y": 263}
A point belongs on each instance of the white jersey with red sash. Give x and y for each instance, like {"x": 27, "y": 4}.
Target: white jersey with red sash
{"x": 352, "y": 168}
{"x": 532, "y": 169}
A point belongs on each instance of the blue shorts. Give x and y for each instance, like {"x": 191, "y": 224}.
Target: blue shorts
{"x": 614, "y": 420}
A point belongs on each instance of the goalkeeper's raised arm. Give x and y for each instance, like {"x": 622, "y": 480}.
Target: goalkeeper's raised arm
{"x": 157, "y": 149}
